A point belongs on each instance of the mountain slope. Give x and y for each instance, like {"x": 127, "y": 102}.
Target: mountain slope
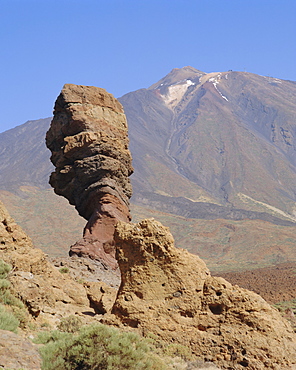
{"x": 228, "y": 138}
{"x": 205, "y": 146}
{"x": 24, "y": 156}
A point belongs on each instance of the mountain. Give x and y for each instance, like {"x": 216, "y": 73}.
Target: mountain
{"x": 221, "y": 138}
{"x": 24, "y": 156}
{"x": 214, "y": 159}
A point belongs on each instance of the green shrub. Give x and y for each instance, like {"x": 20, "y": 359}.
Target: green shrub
{"x": 64, "y": 270}
{"x": 7, "y": 320}
{"x": 97, "y": 347}
{"x": 70, "y": 324}
{"x": 18, "y": 313}
{"x": 4, "y": 269}
{"x": 45, "y": 325}
{"x": 6, "y": 297}
{"x": 80, "y": 281}
{"x": 178, "y": 350}
{"x": 4, "y": 285}
{"x": 45, "y": 337}
{"x": 22, "y": 315}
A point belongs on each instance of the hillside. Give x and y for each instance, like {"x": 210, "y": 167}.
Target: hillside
{"x": 214, "y": 159}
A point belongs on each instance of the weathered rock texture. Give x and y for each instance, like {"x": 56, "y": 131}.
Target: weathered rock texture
{"x": 171, "y": 293}
{"x": 17, "y": 352}
{"x": 89, "y": 144}
{"x": 48, "y": 294}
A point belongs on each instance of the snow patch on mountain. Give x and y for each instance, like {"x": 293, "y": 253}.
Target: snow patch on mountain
{"x": 215, "y": 80}
{"x": 176, "y": 92}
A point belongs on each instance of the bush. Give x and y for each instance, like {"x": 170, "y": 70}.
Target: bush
{"x": 70, "y": 324}
{"x": 22, "y": 315}
{"x": 178, "y": 350}
{"x": 8, "y": 321}
{"x": 4, "y": 269}
{"x": 6, "y": 297}
{"x": 98, "y": 347}
{"x": 18, "y": 313}
{"x": 64, "y": 270}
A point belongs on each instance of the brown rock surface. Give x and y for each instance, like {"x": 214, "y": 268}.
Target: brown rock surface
{"x": 48, "y": 294}
{"x": 89, "y": 143}
{"x": 17, "y": 352}
{"x": 170, "y": 292}
{"x": 101, "y": 296}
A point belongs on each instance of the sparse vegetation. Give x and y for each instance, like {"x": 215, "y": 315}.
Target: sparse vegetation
{"x": 80, "y": 281}
{"x": 288, "y": 310}
{"x": 4, "y": 269}
{"x": 98, "y": 347}
{"x": 284, "y": 305}
{"x": 70, "y": 324}
{"x": 64, "y": 270}
{"x": 7, "y": 320}
{"x": 171, "y": 350}
{"x": 14, "y": 314}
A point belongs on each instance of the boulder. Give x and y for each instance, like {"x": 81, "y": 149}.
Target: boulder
{"x": 171, "y": 293}
{"x": 88, "y": 138}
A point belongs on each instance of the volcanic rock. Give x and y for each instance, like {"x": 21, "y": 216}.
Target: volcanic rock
{"x": 88, "y": 138}
{"x": 171, "y": 293}
{"x": 17, "y": 352}
{"x": 48, "y": 294}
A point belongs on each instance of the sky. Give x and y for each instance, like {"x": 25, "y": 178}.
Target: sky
{"x": 126, "y": 45}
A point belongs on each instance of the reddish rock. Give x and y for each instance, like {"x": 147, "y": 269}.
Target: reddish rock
{"x": 88, "y": 139}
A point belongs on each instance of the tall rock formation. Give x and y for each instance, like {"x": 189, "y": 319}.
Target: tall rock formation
{"x": 89, "y": 144}
{"x": 196, "y": 156}
{"x": 171, "y": 293}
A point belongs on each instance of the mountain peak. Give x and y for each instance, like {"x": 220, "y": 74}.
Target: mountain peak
{"x": 178, "y": 75}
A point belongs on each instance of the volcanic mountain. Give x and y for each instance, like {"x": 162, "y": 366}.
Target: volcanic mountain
{"x": 220, "y": 138}
{"x": 214, "y": 159}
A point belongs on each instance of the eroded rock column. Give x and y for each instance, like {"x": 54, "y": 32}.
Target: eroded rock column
{"x": 88, "y": 138}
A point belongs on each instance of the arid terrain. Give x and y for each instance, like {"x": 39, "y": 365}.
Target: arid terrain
{"x": 275, "y": 284}
{"x": 136, "y": 276}
{"x": 233, "y": 207}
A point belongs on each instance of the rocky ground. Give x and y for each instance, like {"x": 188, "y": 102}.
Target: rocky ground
{"x": 275, "y": 284}
{"x": 84, "y": 269}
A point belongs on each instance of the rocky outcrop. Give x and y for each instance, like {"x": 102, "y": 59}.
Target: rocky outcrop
{"x": 89, "y": 144}
{"x": 171, "y": 293}
{"x": 48, "y": 293}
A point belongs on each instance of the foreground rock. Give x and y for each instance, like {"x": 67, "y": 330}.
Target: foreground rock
{"x": 17, "y": 352}
{"x": 89, "y": 144}
{"x": 48, "y": 294}
{"x": 171, "y": 293}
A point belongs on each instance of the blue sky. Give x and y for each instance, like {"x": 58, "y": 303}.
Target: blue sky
{"x": 125, "y": 45}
